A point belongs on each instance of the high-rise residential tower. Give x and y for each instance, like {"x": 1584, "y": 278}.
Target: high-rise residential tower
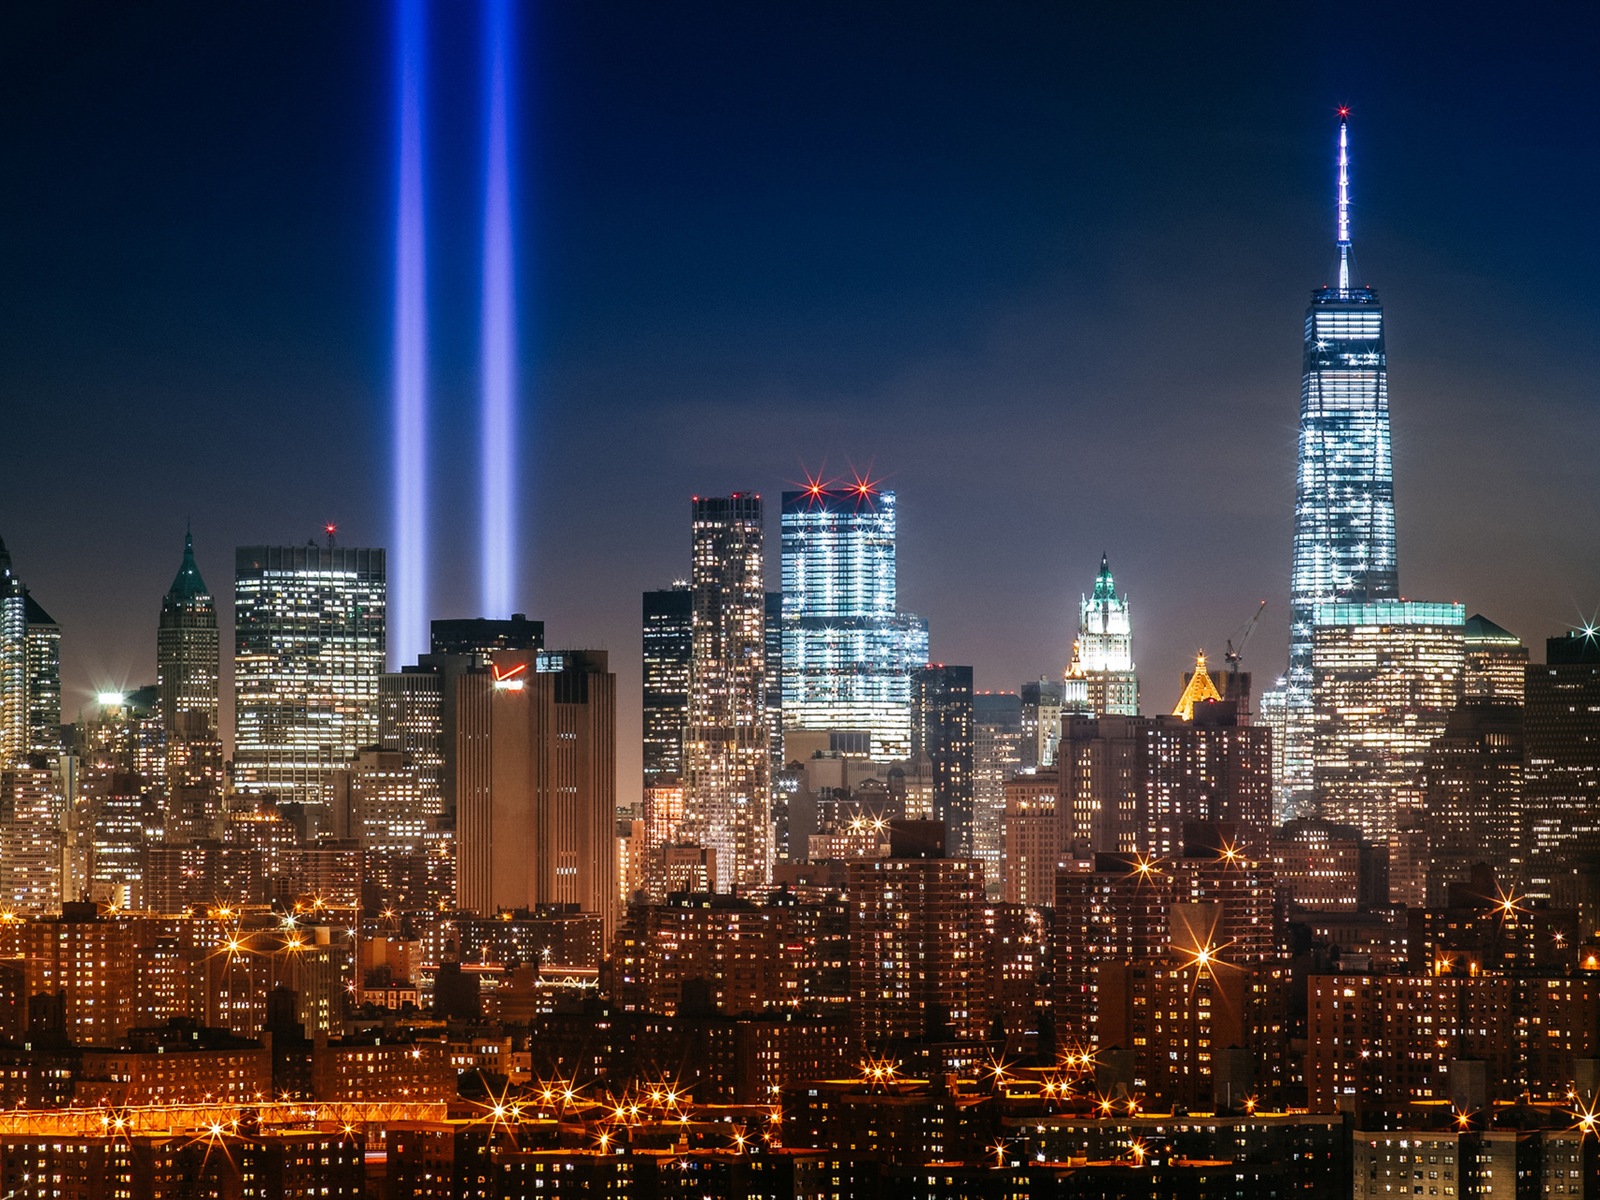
{"x": 848, "y": 654}
{"x": 187, "y": 674}
{"x": 30, "y": 673}
{"x": 1103, "y": 652}
{"x": 309, "y": 633}
{"x": 725, "y": 736}
{"x": 1344, "y": 529}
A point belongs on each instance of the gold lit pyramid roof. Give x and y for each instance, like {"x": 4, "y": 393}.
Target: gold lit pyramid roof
{"x": 1200, "y": 689}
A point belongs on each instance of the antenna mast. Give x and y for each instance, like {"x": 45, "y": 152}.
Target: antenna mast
{"x": 1344, "y": 200}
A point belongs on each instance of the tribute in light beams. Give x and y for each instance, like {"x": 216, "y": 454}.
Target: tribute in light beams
{"x": 408, "y": 620}
{"x": 499, "y": 318}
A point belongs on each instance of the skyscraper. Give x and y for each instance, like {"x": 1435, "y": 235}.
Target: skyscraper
{"x": 847, "y": 653}
{"x": 1344, "y": 530}
{"x": 187, "y": 674}
{"x": 725, "y": 738}
{"x": 536, "y": 783}
{"x": 1496, "y": 663}
{"x": 30, "y": 673}
{"x": 668, "y": 649}
{"x": 1104, "y": 649}
{"x": 309, "y": 631}
{"x": 1561, "y": 775}
{"x": 941, "y": 731}
{"x": 997, "y": 738}
{"x": 1387, "y": 676}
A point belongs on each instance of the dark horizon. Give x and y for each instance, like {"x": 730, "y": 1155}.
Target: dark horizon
{"x": 1042, "y": 274}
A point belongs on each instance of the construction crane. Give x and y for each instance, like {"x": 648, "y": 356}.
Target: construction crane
{"x": 1233, "y": 656}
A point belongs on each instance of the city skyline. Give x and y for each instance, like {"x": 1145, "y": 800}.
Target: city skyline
{"x": 1035, "y": 333}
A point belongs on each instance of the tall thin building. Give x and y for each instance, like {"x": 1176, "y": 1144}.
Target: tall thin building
{"x": 30, "y": 673}
{"x": 1561, "y": 774}
{"x": 848, "y": 654}
{"x": 309, "y": 633}
{"x": 1344, "y": 530}
{"x": 187, "y": 686}
{"x": 725, "y": 738}
{"x": 997, "y": 737}
{"x": 1103, "y": 652}
{"x": 941, "y": 731}
{"x": 668, "y": 649}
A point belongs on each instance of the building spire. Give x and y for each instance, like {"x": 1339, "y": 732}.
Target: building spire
{"x": 1344, "y": 199}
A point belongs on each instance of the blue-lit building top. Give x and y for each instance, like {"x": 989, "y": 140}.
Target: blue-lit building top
{"x": 848, "y": 654}
{"x": 1344, "y": 532}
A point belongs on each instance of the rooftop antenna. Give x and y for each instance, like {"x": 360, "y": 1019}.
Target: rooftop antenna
{"x": 330, "y": 529}
{"x": 1344, "y": 199}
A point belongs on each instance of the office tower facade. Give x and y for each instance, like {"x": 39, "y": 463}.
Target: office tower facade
{"x": 536, "y": 783}
{"x": 941, "y": 732}
{"x": 996, "y": 757}
{"x": 32, "y": 840}
{"x": 417, "y": 704}
{"x": 383, "y": 802}
{"x": 848, "y": 654}
{"x": 309, "y": 636}
{"x": 1103, "y": 653}
{"x": 30, "y": 673}
{"x": 1472, "y": 802}
{"x": 726, "y": 802}
{"x": 1561, "y": 779}
{"x": 1496, "y": 663}
{"x": 411, "y": 723}
{"x": 668, "y": 649}
{"x": 1344, "y": 526}
{"x": 1387, "y": 676}
{"x": 188, "y": 667}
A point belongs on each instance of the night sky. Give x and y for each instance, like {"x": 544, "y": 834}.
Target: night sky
{"x": 1039, "y": 268}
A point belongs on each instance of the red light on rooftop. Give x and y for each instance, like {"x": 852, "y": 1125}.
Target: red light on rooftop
{"x": 1344, "y": 110}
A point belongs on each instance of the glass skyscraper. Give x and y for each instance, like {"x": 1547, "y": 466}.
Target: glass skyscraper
{"x": 1344, "y": 532}
{"x": 725, "y": 754}
{"x": 847, "y": 654}
{"x": 187, "y": 674}
{"x": 309, "y": 624}
{"x": 30, "y": 673}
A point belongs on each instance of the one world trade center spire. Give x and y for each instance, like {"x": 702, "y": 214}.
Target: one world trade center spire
{"x": 1344, "y": 531}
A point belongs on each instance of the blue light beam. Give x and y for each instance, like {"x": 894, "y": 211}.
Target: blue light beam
{"x": 499, "y": 348}
{"x": 408, "y": 618}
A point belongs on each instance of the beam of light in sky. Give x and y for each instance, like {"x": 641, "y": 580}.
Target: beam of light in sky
{"x": 408, "y": 574}
{"x": 498, "y": 366}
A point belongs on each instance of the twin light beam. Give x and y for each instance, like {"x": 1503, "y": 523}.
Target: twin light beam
{"x": 497, "y": 352}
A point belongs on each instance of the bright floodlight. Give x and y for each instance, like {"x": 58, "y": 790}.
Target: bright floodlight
{"x": 112, "y": 699}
